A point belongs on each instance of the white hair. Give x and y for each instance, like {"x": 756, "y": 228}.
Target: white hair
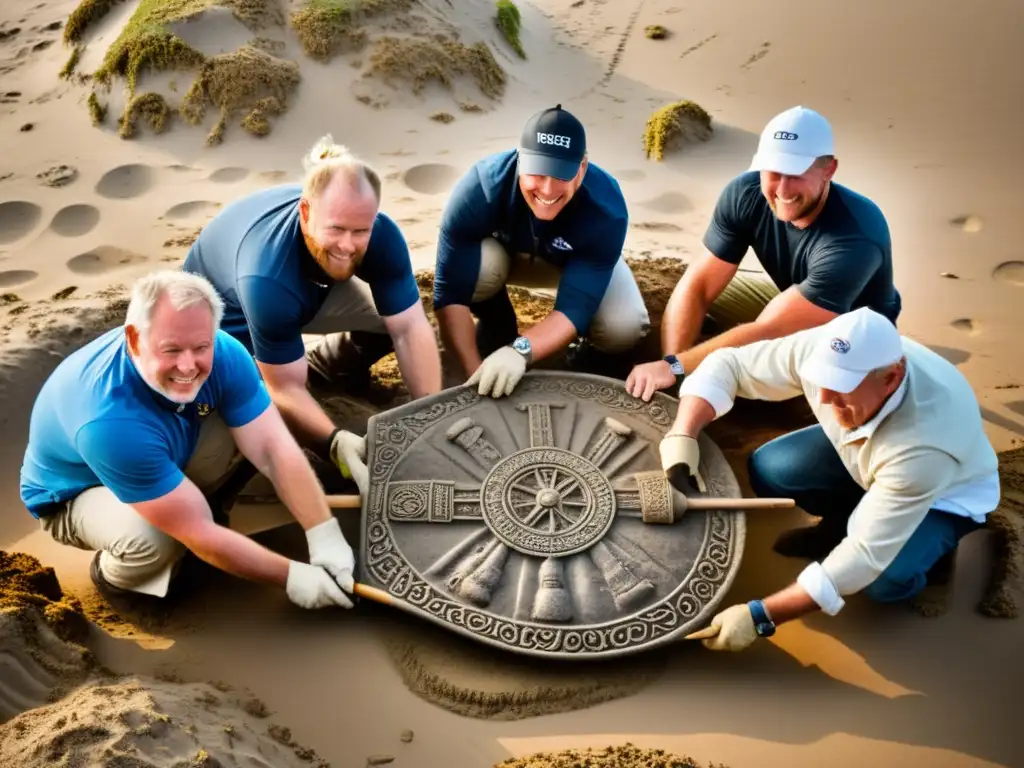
{"x": 327, "y": 159}
{"x": 183, "y": 289}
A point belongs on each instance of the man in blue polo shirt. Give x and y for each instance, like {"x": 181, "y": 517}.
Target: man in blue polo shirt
{"x": 538, "y": 216}
{"x": 130, "y": 432}
{"x": 319, "y": 258}
{"x": 825, "y": 248}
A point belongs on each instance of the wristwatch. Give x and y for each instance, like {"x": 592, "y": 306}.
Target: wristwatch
{"x": 523, "y": 347}
{"x": 763, "y": 623}
{"x": 677, "y": 368}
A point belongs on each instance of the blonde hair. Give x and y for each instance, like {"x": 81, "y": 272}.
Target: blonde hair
{"x": 183, "y": 289}
{"x": 326, "y": 159}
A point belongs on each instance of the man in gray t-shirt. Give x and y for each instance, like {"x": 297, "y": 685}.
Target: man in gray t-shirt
{"x": 825, "y": 247}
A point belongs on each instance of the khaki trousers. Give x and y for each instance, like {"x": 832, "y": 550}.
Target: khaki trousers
{"x": 349, "y": 307}
{"x": 742, "y": 301}
{"x": 621, "y": 319}
{"x": 136, "y": 555}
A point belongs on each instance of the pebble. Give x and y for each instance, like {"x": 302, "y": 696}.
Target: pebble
{"x": 380, "y": 759}
{"x": 406, "y": 737}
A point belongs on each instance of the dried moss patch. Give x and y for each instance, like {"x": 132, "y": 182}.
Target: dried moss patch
{"x": 85, "y": 15}
{"x": 150, "y": 107}
{"x": 509, "y": 22}
{"x": 655, "y": 32}
{"x": 326, "y": 28}
{"x": 97, "y": 111}
{"x": 71, "y": 63}
{"x": 675, "y": 124}
{"x": 420, "y": 61}
{"x": 146, "y": 42}
{"x": 626, "y": 756}
{"x": 248, "y": 84}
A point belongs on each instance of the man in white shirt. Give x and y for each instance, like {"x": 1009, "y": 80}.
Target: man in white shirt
{"x": 898, "y": 468}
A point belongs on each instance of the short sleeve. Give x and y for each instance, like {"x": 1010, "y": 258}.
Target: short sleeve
{"x": 130, "y": 458}
{"x": 838, "y": 272}
{"x": 241, "y": 393}
{"x": 728, "y": 234}
{"x": 392, "y": 282}
{"x": 468, "y": 218}
{"x": 273, "y": 314}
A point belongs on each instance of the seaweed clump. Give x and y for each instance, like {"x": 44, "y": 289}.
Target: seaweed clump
{"x": 97, "y": 111}
{"x": 683, "y": 121}
{"x": 69, "y": 66}
{"x": 421, "y": 61}
{"x": 150, "y": 107}
{"x": 87, "y": 13}
{"x": 625, "y": 756}
{"x": 327, "y": 27}
{"x": 655, "y": 32}
{"x": 249, "y": 81}
{"x": 509, "y": 22}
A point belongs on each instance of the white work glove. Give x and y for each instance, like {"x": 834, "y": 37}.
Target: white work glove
{"x": 310, "y": 586}
{"x": 499, "y": 373}
{"x": 647, "y": 378}
{"x": 348, "y": 452}
{"x": 329, "y": 550}
{"x": 731, "y": 630}
{"x": 680, "y": 458}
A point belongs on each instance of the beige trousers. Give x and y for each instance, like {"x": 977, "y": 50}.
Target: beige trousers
{"x": 136, "y": 555}
{"x": 621, "y": 319}
{"x": 349, "y": 307}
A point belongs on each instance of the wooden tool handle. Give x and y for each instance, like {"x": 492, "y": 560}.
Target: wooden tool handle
{"x": 702, "y": 633}
{"x": 739, "y": 503}
{"x": 345, "y": 502}
{"x": 374, "y": 594}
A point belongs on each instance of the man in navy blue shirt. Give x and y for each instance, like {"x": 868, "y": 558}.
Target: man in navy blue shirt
{"x": 825, "y": 248}
{"x": 538, "y": 216}
{"x": 131, "y": 431}
{"x": 318, "y": 258}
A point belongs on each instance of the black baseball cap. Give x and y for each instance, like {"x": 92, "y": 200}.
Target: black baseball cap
{"x": 553, "y": 144}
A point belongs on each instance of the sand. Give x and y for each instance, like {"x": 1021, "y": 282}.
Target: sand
{"x": 85, "y": 209}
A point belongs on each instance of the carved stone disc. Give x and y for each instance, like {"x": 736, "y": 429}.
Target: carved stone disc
{"x": 541, "y": 523}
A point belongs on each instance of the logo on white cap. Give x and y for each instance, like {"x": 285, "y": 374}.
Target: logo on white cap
{"x": 849, "y": 347}
{"x": 792, "y": 141}
{"x": 842, "y": 346}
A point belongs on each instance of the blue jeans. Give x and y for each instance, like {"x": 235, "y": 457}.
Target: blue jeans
{"x": 805, "y": 466}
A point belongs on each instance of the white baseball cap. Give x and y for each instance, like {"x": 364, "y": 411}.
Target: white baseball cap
{"x": 792, "y": 141}
{"x": 848, "y": 347}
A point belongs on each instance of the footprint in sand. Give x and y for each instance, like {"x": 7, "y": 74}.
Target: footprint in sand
{"x": 75, "y": 220}
{"x": 668, "y": 202}
{"x": 192, "y": 209}
{"x": 17, "y": 219}
{"x": 16, "y": 277}
{"x": 630, "y": 175}
{"x": 968, "y": 326}
{"x": 179, "y": 168}
{"x": 430, "y": 178}
{"x": 105, "y": 258}
{"x": 229, "y": 175}
{"x": 656, "y": 226}
{"x": 126, "y": 181}
{"x": 1010, "y": 272}
{"x": 970, "y": 224}
{"x": 274, "y": 176}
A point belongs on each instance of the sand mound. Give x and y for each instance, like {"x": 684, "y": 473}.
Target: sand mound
{"x": 40, "y": 628}
{"x": 626, "y": 756}
{"x": 141, "y": 723}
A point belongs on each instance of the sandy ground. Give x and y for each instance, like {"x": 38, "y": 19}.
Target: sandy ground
{"x": 924, "y": 101}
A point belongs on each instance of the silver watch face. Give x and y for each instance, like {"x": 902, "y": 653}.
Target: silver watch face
{"x": 522, "y": 344}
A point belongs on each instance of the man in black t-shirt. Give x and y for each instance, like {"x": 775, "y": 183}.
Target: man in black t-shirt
{"x": 825, "y": 247}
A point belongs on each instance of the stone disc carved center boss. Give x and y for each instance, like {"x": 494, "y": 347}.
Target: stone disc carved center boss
{"x": 526, "y": 522}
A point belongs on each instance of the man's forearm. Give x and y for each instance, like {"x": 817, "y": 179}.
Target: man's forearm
{"x": 550, "y": 335}
{"x": 419, "y": 360}
{"x": 739, "y": 336}
{"x": 694, "y": 413}
{"x": 297, "y": 485}
{"x": 237, "y": 554}
{"x": 305, "y": 418}
{"x": 458, "y": 333}
{"x": 790, "y": 603}
{"x": 683, "y": 317}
